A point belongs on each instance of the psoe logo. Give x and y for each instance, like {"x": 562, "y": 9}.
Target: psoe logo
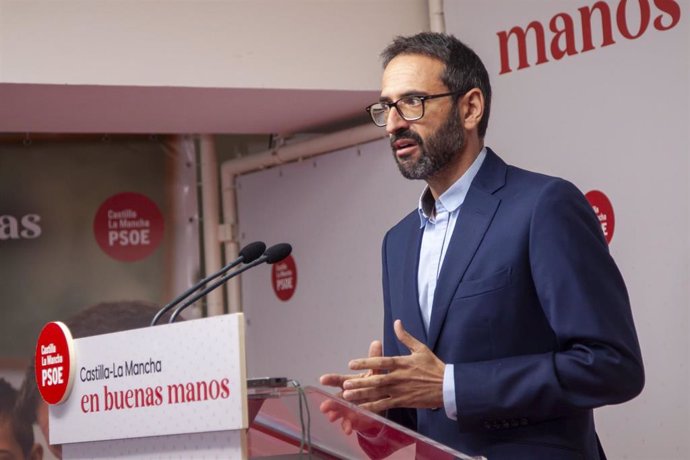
{"x": 602, "y": 207}
{"x": 22, "y": 227}
{"x": 632, "y": 19}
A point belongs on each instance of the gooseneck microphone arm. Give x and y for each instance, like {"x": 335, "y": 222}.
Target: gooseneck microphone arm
{"x": 215, "y": 285}
{"x": 249, "y": 253}
{"x": 274, "y": 254}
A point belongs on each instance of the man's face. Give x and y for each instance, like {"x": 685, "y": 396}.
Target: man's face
{"x": 9, "y": 447}
{"x": 426, "y": 146}
{"x": 42, "y": 418}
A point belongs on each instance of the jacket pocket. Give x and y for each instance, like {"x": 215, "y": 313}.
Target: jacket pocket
{"x": 483, "y": 285}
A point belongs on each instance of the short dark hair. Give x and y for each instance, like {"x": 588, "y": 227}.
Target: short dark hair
{"x": 21, "y": 426}
{"x": 107, "y": 317}
{"x": 463, "y": 71}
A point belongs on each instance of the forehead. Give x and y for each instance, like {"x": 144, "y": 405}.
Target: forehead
{"x": 409, "y": 73}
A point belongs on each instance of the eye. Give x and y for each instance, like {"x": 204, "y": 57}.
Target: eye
{"x": 379, "y": 108}
{"x": 410, "y": 101}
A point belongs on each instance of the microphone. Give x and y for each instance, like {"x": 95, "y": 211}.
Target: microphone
{"x": 247, "y": 254}
{"x": 274, "y": 254}
{"x": 277, "y": 252}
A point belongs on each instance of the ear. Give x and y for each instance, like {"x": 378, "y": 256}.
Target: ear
{"x": 36, "y": 452}
{"x": 472, "y": 109}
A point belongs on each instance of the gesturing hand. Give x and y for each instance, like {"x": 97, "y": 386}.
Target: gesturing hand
{"x": 414, "y": 380}
{"x": 350, "y": 421}
{"x": 338, "y": 380}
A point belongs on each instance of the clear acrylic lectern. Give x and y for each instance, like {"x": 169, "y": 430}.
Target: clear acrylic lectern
{"x": 292, "y": 423}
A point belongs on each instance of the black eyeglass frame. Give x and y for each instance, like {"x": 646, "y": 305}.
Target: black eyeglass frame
{"x": 422, "y": 98}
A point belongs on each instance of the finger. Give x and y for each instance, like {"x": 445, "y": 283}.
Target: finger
{"x": 332, "y": 380}
{"x": 406, "y": 338}
{"x": 337, "y": 380}
{"x": 333, "y": 416}
{"x": 324, "y": 407}
{"x": 329, "y": 406}
{"x": 332, "y": 410}
{"x": 372, "y": 381}
{"x": 346, "y": 425}
{"x": 375, "y": 364}
{"x": 365, "y": 395}
{"x": 376, "y": 349}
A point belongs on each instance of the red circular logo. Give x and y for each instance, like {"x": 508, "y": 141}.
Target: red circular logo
{"x": 54, "y": 362}
{"x": 284, "y": 278}
{"x": 604, "y": 211}
{"x": 128, "y": 226}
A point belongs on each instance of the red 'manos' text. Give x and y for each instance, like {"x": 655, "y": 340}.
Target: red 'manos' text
{"x": 632, "y": 19}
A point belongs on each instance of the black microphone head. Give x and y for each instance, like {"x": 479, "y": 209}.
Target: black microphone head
{"x": 252, "y": 251}
{"x": 277, "y": 252}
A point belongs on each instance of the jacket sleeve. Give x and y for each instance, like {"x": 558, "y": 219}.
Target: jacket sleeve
{"x": 597, "y": 360}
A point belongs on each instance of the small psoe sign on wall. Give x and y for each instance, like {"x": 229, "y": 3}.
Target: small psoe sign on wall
{"x": 284, "y": 278}
{"x": 188, "y": 377}
{"x": 604, "y": 210}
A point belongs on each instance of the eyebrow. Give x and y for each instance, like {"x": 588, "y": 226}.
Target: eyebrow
{"x": 405, "y": 94}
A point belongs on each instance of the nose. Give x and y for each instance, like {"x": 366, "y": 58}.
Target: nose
{"x": 395, "y": 122}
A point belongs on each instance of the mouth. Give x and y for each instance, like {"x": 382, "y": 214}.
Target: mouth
{"x": 403, "y": 148}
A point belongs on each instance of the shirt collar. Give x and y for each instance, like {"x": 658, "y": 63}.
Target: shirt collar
{"x": 452, "y": 198}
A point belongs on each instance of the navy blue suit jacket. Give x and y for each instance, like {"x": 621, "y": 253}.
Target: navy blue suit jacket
{"x": 532, "y": 311}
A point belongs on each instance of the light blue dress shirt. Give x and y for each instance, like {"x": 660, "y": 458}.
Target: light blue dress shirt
{"x": 438, "y": 220}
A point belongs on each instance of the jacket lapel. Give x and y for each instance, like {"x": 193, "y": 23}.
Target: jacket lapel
{"x": 475, "y": 216}
{"x": 410, "y": 314}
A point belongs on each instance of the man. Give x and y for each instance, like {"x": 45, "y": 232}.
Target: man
{"x": 16, "y": 433}
{"x": 506, "y": 321}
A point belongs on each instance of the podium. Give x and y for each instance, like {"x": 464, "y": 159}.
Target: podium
{"x": 278, "y": 430}
{"x": 180, "y": 391}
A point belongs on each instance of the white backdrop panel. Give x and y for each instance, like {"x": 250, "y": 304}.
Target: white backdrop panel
{"x": 613, "y": 119}
{"x": 334, "y": 209}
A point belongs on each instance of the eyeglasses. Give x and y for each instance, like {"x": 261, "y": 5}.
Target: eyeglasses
{"x": 410, "y": 108}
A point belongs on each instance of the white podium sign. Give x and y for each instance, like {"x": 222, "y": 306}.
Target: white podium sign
{"x": 188, "y": 377}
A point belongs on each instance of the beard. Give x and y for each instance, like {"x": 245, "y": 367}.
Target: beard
{"x": 436, "y": 152}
